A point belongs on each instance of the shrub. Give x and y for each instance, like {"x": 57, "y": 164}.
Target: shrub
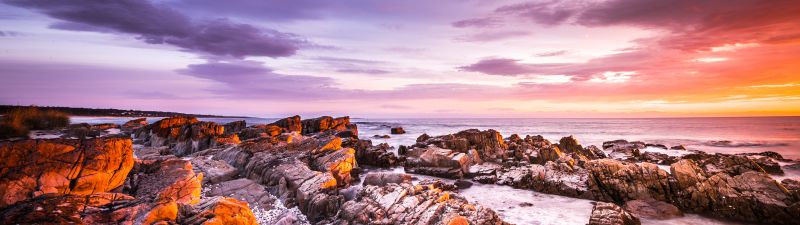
{"x": 19, "y": 121}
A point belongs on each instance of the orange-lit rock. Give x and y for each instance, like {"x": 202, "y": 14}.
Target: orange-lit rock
{"x": 34, "y": 167}
{"x": 172, "y": 179}
{"x": 290, "y": 124}
{"x": 221, "y": 211}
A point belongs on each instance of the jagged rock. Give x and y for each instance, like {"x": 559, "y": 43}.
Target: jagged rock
{"x": 214, "y": 171}
{"x": 570, "y": 145}
{"x": 628, "y": 181}
{"x": 218, "y": 211}
{"x": 169, "y": 180}
{"x": 260, "y": 131}
{"x": 422, "y": 138}
{"x": 408, "y": 204}
{"x": 750, "y": 196}
{"x": 375, "y": 155}
{"x": 235, "y": 127}
{"x": 678, "y": 147}
{"x": 439, "y": 162}
{"x": 135, "y": 124}
{"x": 657, "y": 158}
{"x": 60, "y": 209}
{"x": 723, "y": 163}
{"x": 622, "y": 149}
{"x": 561, "y": 179}
{"x": 398, "y": 130}
{"x": 382, "y": 179}
{"x": 489, "y": 143}
{"x": 339, "y": 163}
{"x": 290, "y": 124}
{"x": 325, "y": 123}
{"x": 792, "y": 186}
{"x": 769, "y": 165}
{"x": 149, "y": 154}
{"x": 79, "y": 167}
{"x": 611, "y": 214}
{"x": 652, "y": 209}
{"x": 243, "y": 189}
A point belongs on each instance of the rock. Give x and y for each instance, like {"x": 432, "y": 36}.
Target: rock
{"x": 339, "y": 163}
{"x": 260, "y": 131}
{"x": 398, "y": 130}
{"x": 439, "y": 162}
{"x": 379, "y": 155}
{"x": 235, "y": 127}
{"x": 656, "y": 146}
{"x": 571, "y": 145}
{"x": 60, "y": 166}
{"x": 462, "y": 184}
{"x": 792, "y": 186}
{"x": 408, "y": 204}
{"x": 628, "y": 181}
{"x": 769, "y": 164}
{"x": 290, "y": 124}
{"x": 243, "y": 189}
{"x": 622, "y": 149}
{"x": 686, "y": 173}
{"x": 489, "y": 143}
{"x": 381, "y": 136}
{"x": 678, "y": 147}
{"x": 422, "y": 138}
{"x": 652, "y": 209}
{"x": 325, "y": 123}
{"x": 219, "y": 211}
{"x": 611, "y": 214}
{"x": 70, "y": 209}
{"x": 382, "y": 179}
{"x": 135, "y": 124}
{"x": 214, "y": 171}
{"x": 657, "y": 158}
{"x": 561, "y": 179}
{"x": 170, "y": 180}
{"x": 723, "y": 163}
{"x": 750, "y": 196}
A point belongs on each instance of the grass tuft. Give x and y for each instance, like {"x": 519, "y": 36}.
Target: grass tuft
{"x": 18, "y": 122}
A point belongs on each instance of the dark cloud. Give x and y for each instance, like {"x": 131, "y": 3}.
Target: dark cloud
{"x": 8, "y": 33}
{"x": 511, "y": 67}
{"x": 267, "y": 9}
{"x": 477, "y": 22}
{"x": 157, "y": 24}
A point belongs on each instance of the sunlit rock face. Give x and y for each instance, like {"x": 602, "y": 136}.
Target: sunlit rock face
{"x": 186, "y": 135}
{"x": 65, "y": 166}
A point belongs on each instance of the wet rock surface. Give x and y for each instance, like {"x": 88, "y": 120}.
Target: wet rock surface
{"x": 611, "y": 214}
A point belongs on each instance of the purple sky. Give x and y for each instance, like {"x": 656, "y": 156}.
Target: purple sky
{"x": 364, "y": 58}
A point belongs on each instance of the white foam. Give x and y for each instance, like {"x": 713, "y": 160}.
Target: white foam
{"x": 546, "y": 209}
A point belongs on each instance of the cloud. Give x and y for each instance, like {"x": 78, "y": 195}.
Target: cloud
{"x": 363, "y": 71}
{"x": 547, "y": 13}
{"x": 511, "y": 67}
{"x": 8, "y": 33}
{"x": 477, "y": 22}
{"x": 492, "y": 36}
{"x": 157, "y": 24}
{"x": 553, "y": 53}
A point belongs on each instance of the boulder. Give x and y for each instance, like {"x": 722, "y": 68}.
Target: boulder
{"x": 260, "y": 131}
{"x": 384, "y": 178}
{"x": 169, "y": 180}
{"x": 769, "y": 165}
{"x": 657, "y": 158}
{"x": 218, "y": 211}
{"x": 385, "y": 136}
{"x": 678, "y": 147}
{"x": 489, "y": 143}
{"x": 628, "y": 181}
{"x": 398, "y": 130}
{"x": 62, "y": 166}
{"x": 409, "y": 204}
{"x": 134, "y": 124}
{"x": 375, "y": 155}
{"x": 439, "y": 162}
{"x": 652, "y": 209}
{"x": 571, "y": 145}
{"x": 610, "y": 214}
{"x": 325, "y": 123}
{"x": 243, "y": 189}
{"x": 214, "y": 171}
{"x": 235, "y": 126}
{"x": 290, "y": 124}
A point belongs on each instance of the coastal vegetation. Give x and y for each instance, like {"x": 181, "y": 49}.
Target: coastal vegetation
{"x": 19, "y": 121}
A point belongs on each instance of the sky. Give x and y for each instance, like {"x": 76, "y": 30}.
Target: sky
{"x": 413, "y": 58}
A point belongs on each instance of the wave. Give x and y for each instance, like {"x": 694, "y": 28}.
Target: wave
{"x": 742, "y": 144}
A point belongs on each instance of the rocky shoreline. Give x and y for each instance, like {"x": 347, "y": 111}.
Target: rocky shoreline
{"x": 180, "y": 170}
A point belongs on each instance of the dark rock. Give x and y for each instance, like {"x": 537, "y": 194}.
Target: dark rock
{"x": 627, "y": 181}
{"x": 135, "y": 124}
{"x": 325, "y": 123}
{"x": 769, "y": 164}
{"x": 398, "y": 130}
{"x": 375, "y": 155}
{"x": 385, "y": 136}
{"x": 656, "y": 146}
{"x": 652, "y": 209}
{"x": 657, "y": 158}
{"x": 678, "y": 147}
{"x": 382, "y": 179}
{"x": 611, "y": 214}
{"x": 214, "y": 171}
{"x": 235, "y": 127}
